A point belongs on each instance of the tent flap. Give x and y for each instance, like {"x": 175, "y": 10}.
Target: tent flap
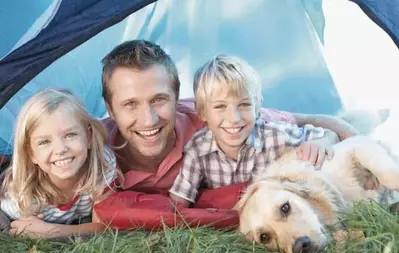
{"x": 385, "y": 13}
{"x": 74, "y": 23}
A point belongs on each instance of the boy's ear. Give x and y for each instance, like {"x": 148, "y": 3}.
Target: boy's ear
{"x": 203, "y": 116}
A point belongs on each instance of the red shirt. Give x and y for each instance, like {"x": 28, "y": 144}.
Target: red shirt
{"x": 187, "y": 123}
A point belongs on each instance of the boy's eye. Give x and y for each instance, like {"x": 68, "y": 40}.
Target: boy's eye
{"x": 245, "y": 104}
{"x": 219, "y": 106}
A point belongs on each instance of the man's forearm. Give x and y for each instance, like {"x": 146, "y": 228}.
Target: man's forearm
{"x": 330, "y": 138}
{"x": 342, "y": 128}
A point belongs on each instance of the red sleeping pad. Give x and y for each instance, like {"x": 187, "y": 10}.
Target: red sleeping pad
{"x": 132, "y": 210}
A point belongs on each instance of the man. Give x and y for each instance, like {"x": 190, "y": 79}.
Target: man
{"x": 149, "y": 126}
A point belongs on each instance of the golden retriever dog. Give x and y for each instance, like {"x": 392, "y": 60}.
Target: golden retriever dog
{"x": 290, "y": 204}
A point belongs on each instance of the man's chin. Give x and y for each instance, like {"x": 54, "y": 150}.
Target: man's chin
{"x": 154, "y": 153}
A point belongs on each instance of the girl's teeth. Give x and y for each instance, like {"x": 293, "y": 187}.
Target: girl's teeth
{"x": 63, "y": 162}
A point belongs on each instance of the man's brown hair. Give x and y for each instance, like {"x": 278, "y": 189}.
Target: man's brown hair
{"x": 138, "y": 55}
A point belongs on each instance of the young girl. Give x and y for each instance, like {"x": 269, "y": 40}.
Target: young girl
{"x": 60, "y": 168}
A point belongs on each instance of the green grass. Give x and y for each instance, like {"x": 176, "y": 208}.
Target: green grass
{"x": 380, "y": 227}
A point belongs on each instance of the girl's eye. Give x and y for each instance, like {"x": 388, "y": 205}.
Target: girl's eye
{"x": 70, "y": 135}
{"x": 44, "y": 142}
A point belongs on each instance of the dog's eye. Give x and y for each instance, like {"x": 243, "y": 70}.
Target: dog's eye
{"x": 285, "y": 208}
{"x": 264, "y": 237}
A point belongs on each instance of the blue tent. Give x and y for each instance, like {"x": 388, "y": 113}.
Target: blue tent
{"x": 60, "y": 43}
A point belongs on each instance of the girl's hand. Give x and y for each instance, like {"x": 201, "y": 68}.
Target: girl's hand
{"x": 314, "y": 153}
{"x": 33, "y": 226}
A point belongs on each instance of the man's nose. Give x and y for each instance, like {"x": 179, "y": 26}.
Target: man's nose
{"x": 148, "y": 115}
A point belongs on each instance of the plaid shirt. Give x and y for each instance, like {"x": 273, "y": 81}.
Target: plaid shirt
{"x": 205, "y": 163}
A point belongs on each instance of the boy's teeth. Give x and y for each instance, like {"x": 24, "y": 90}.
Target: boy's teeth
{"x": 63, "y": 162}
{"x": 233, "y": 130}
{"x": 149, "y": 133}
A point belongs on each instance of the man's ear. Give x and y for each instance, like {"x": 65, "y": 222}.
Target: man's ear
{"x": 245, "y": 197}
{"x": 109, "y": 109}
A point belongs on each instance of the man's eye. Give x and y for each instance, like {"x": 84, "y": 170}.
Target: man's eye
{"x": 159, "y": 99}
{"x": 131, "y": 104}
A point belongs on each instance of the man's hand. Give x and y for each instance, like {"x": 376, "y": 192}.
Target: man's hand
{"x": 314, "y": 153}
{"x": 32, "y": 226}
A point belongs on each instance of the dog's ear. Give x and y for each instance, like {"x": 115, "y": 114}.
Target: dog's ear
{"x": 316, "y": 196}
{"x": 297, "y": 188}
{"x": 384, "y": 114}
{"x": 244, "y": 198}
{"x": 294, "y": 182}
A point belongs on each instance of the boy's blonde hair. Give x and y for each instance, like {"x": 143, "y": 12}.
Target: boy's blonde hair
{"x": 24, "y": 181}
{"x": 228, "y": 74}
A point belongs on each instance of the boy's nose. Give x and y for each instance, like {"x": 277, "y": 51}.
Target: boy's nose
{"x": 234, "y": 115}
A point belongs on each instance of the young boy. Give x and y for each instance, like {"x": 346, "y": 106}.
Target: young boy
{"x": 235, "y": 142}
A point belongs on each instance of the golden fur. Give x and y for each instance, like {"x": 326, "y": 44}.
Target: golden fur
{"x": 290, "y": 204}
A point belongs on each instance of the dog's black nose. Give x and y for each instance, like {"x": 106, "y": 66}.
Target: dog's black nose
{"x": 302, "y": 245}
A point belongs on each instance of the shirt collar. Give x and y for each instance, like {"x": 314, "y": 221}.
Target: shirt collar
{"x": 209, "y": 144}
{"x": 255, "y": 139}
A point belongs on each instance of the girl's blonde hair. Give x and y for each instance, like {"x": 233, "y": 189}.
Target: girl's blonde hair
{"x": 228, "y": 74}
{"x": 24, "y": 181}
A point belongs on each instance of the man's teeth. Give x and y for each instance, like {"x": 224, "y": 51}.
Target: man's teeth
{"x": 232, "y": 130}
{"x": 150, "y": 132}
{"x": 63, "y": 162}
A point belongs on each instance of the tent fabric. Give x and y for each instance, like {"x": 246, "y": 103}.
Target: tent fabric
{"x": 74, "y": 23}
{"x": 281, "y": 39}
{"x": 385, "y": 13}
